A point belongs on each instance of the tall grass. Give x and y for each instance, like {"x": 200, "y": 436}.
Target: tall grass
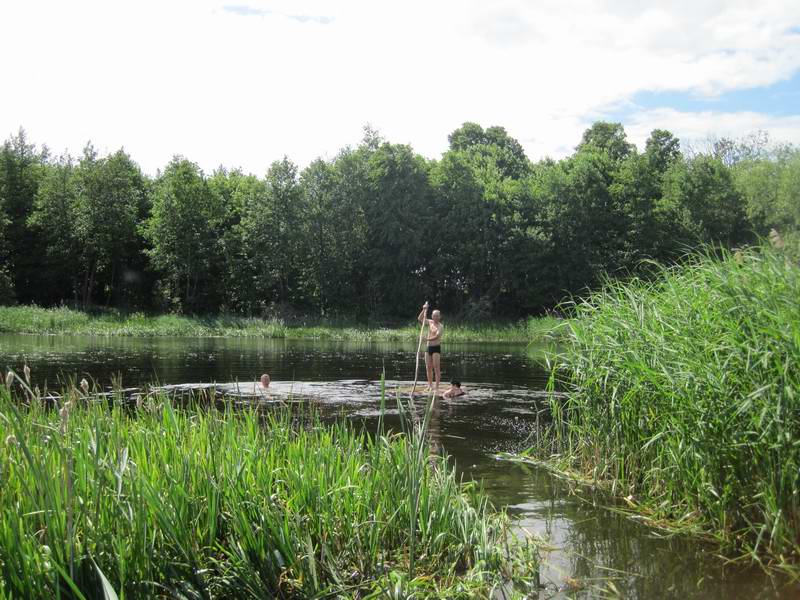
{"x": 32, "y": 319}
{"x": 684, "y": 397}
{"x": 221, "y": 503}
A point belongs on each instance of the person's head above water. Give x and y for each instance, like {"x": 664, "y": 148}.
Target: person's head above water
{"x": 265, "y": 380}
{"x": 455, "y": 383}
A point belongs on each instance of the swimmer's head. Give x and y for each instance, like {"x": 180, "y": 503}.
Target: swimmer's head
{"x": 265, "y": 380}
{"x": 455, "y": 383}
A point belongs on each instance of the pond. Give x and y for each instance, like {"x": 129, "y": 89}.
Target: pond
{"x": 591, "y": 551}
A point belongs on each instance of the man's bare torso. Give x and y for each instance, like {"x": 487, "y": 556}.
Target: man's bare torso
{"x": 435, "y": 331}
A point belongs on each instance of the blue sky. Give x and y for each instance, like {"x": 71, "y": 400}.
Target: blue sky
{"x": 242, "y": 83}
{"x": 779, "y": 99}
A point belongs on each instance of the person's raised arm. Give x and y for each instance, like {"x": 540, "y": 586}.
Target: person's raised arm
{"x": 423, "y": 313}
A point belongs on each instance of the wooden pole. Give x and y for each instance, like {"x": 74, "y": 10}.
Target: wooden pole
{"x": 419, "y": 348}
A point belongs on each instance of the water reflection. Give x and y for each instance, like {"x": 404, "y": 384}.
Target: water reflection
{"x": 180, "y": 360}
{"x": 594, "y": 552}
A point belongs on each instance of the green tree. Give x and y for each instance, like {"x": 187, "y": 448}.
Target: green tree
{"x": 110, "y": 201}
{"x": 661, "y": 150}
{"x": 637, "y": 190}
{"x": 271, "y": 231}
{"x": 237, "y": 279}
{"x": 182, "y": 232}
{"x": 609, "y": 138}
{"x": 487, "y": 233}
{"x": 702, "y": 194}
{"x": 468, "y": 239}
{"x": 333, "y": 238}
{"x": 7, "y": 295}
{"x": 770, "y": 186}
{"x": 250, "y": 247}
{"x": 507, "y": 153}
{"x": 478, "y": 232}
{"x": 286, "y": 198}
{"x": 491, "y": 236}
{"x": 352, "y": 195}
{"x": 21, "y": 168}
{"x": 587, "y": 225}
{"x": 397, "y": 211}
{"x": 53, "y": 222}
{"x": 731, "y": 151}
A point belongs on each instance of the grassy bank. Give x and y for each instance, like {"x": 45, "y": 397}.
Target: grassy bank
{"x": 31, "y": 319}
{"x": 684, "y": 398}
{"x": 208, "y": 503}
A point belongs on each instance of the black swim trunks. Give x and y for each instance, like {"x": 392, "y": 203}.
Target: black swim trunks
{"x": 434, "y": 350}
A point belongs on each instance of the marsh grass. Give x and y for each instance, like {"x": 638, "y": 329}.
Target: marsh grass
{"x": 32, "y": 319}
{"x": 683, "y": 399}
{"x": 189, "y": 502}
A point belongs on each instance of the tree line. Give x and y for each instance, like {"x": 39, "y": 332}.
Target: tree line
{"x": 481, "y": 231}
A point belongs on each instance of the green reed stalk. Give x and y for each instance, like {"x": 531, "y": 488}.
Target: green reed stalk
{"x": 684, "y": 398}
{"x": 168, "y": 501}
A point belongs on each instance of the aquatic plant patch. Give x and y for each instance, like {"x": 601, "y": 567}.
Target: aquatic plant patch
{"x": 168, "y": 501}
{"x": 684, "y": 398}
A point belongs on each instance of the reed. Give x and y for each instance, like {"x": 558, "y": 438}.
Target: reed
{"x": 167, "y": 501}
{"x": 684, "y": 398}
{"x": 36, "y": 320}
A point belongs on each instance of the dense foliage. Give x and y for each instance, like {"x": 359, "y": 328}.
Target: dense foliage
{"x": 480, "y": 231}
{"x": 684, "y": 397}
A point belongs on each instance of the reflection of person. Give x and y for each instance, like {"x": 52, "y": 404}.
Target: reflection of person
{"x": 455, "y": 390}
{"x": 264, "y": 381}
{"x": 433, "y": 353}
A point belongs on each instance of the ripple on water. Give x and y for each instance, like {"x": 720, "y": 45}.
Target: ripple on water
{"x": 590, "y": 548}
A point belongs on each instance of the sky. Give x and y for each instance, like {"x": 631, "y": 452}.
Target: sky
{"x": 241, "y": 83}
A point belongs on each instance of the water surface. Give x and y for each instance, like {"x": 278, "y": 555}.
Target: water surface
{"x": 593, "y": 552}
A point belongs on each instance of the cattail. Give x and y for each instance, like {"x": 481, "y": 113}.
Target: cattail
{"x": 27, "y": 370}
{"x": 64, "y": 414}
{"x": 85, "y": 386}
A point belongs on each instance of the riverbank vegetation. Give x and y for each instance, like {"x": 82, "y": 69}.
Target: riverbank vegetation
{"x": 204, "y": 502}
{"x": 482, "y": 232}
{"x": 684, "y": 398}
{"x": 36, "y": 320}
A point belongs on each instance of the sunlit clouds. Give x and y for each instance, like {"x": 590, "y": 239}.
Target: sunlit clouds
{"x": 243, "y": 82}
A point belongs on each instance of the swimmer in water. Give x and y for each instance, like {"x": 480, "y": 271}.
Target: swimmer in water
{"x": 455, "y": 390}
{"x": 264, "y": 381}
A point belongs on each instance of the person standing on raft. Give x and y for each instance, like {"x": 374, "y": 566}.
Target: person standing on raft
{"x": 433, "y": 353}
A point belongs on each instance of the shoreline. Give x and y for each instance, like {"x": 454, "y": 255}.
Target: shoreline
{"x": 32, "y": 320}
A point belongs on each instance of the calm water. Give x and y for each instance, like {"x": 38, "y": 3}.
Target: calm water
{"x": 593, "y": 551}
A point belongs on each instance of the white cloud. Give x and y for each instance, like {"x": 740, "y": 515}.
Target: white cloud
{"x": 696, "y": 128}
{"x": 243, "y": 87}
